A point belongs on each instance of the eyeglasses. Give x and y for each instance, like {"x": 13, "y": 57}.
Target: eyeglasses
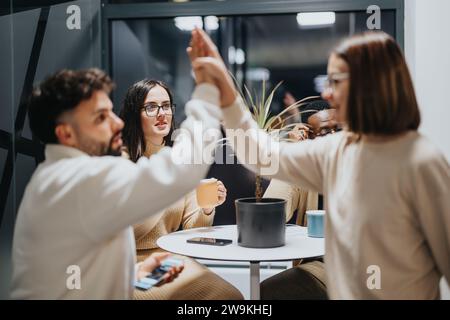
{"x": 152, "y": 109}
{"x": 334, "y": 79}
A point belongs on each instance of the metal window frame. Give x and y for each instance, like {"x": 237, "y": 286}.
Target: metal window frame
{"x": 112, "y": 12}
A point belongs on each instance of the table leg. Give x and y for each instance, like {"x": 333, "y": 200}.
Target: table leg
{"x": 254, "y": 281}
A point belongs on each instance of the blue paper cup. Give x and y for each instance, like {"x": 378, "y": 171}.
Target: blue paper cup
{"x": 315, "y": 221}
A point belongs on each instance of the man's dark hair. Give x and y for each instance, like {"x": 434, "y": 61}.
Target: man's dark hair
{"x": 313, "y": 107}
{"x": 59, "y": 93}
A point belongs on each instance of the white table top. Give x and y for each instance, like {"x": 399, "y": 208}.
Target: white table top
{"x": 298, "y": 245}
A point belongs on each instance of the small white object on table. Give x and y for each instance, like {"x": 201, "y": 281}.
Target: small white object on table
{"x": 298, "y": 246}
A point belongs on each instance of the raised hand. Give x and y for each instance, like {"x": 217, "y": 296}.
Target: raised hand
{"x": 154, "y": 261}
{"x": 206, "y": 45}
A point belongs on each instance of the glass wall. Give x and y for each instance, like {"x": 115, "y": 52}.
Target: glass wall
{"x": 38, "y": 38}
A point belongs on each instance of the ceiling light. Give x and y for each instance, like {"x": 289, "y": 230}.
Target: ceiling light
{"x": 188, "y": 23}
{"x": 316, "y": 19}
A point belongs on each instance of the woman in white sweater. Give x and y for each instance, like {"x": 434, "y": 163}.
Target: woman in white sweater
{"x": 386, "y": 187}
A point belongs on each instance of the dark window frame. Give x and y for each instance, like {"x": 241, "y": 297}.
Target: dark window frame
{"x": 112, "y": 12}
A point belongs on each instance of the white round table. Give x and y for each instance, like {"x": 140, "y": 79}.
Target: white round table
{"x": 298, "y": 246}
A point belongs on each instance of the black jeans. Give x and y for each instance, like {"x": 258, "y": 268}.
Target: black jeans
{"x": 305, "y": 281}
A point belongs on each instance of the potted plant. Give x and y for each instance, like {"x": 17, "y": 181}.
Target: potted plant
{"x": 261, "y": 222}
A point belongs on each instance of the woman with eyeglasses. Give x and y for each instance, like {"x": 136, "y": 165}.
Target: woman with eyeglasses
{"x": 386, "y": 187}
{"x": 147, "y": 112}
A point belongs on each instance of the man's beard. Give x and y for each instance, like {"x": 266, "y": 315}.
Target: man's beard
{"x": 96, "y": 148}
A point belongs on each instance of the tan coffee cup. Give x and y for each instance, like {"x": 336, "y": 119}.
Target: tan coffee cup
{"x": 207, "y": 193}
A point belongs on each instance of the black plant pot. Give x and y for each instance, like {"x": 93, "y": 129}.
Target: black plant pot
{"x": 261, "y": 224}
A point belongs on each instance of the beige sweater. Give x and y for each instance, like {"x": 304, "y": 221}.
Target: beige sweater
{"x": 388, "y": 207}
{"x": 184, "y": 213}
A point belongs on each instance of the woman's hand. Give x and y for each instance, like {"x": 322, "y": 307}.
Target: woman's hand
{"x": 300, "y": 132}
{"x": 289, "y": 100}
{"x": 154, "y": 261}
{"x": 221, "y": 195}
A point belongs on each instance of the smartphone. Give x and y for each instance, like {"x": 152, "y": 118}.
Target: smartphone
{"x": 157, "y": 276}
{"x": 210, "y": 241}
